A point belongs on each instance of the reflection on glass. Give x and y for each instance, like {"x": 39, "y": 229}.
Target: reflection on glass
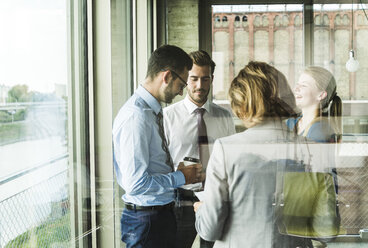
{"x": 333, "y": 41}
{"x": 268, "y": 33}
{"x": 34, "y": 194}
{"x": 274, "y": 34}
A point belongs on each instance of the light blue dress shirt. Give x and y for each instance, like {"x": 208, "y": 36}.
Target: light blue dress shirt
{"x": 139, "y": 160}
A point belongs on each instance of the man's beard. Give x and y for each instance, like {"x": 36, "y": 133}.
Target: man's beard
{"x": 168, "y": 95}
{"x": 199, "y": 100}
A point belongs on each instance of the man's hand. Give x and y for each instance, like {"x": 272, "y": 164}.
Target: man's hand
{"x": 193, "y": 173}
{"x": 196, "y": 205}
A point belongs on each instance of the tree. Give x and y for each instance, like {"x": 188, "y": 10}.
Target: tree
{"x": 18, "y": 93}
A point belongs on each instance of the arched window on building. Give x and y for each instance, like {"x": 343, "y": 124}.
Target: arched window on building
{"x": 285, "y": 20}
{"x": 277, "y": 21}
{"x": 245, "y": 21}
{"x": 225, "y": 22}
{"x": 338, "y": 20}
{"x": 237, "y": 21}
{"x": 257, "y": 21}
{"x": 342, "y": 21}
{"x": 217, "y": 21}
{"x": 317, "y": 20}
{"x": 326, "y": 20}
{"x": 361, "y": 20}
{"x": 297, "y": 20}
{"x": 345, "y": 20}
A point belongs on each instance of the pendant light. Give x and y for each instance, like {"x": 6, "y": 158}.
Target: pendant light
{"x": 352, "y": 65}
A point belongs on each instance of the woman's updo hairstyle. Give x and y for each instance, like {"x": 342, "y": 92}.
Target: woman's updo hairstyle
{"x": 260, "y": 91}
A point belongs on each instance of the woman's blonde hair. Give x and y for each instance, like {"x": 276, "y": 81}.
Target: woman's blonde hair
{"x": 331, "y": 105}
{"x": 260, "y": 91}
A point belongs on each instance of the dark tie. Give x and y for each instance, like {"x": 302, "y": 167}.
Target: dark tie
{"x": 164, "y": 147}
{"x": 204, "y": 153}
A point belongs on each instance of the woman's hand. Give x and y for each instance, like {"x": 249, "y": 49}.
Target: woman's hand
{"x": 196, "y": 205}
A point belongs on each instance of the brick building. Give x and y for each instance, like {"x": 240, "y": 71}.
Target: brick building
{"x": 275, "y": 35}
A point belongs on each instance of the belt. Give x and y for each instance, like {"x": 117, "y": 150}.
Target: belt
{"x": 131, "y": 206}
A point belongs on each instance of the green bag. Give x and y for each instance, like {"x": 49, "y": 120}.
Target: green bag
{"x": 306, "y": 204}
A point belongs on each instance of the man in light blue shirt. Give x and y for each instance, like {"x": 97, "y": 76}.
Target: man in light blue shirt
{"x": 142, "y": 161}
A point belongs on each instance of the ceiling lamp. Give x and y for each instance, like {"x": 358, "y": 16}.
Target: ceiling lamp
{"x": 352, "y": 65}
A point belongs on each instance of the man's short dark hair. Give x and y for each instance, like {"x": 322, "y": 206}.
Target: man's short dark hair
{"x": 202, "y": 58}
{"x": 168, "y": 57}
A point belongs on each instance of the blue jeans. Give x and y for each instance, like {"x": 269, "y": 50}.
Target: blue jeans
{"x": 148, "y": 229}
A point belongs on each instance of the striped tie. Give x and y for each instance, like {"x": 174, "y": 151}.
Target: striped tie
{"x": 159, "y": 121}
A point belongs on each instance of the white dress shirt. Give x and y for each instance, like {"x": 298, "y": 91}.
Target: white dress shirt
{"x": 181, "y": 129}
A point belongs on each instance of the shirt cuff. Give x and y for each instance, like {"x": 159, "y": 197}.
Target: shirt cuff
{"x": 179, "y": 179}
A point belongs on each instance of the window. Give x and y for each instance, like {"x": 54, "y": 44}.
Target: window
{"x": 276, "y": 34}
{"x": 38, "y": 126}
{"x": 267, "y": 34}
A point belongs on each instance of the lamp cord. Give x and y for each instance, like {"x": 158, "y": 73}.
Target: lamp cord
{"x": 352, "y": 24}
{"x": 366, "y": 16}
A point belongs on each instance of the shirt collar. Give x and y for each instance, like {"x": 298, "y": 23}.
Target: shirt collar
{"x": 149, "y": 99}
{"x": 190, "y": 106}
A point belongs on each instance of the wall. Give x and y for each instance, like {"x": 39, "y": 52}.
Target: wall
{"x": 183, "y": 27}
{"x": 183, "y": 24}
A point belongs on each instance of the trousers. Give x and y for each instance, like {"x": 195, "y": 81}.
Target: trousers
{"x": 186, "y": 232}
{"x": 148, "y": 228}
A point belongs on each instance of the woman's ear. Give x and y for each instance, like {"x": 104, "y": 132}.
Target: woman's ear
{"x": 322, "y": 95}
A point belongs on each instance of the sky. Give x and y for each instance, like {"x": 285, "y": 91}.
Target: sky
{"x": 33, "y": 43}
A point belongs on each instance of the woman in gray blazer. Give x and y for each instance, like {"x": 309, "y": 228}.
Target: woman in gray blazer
{"x": 238, "y": 205}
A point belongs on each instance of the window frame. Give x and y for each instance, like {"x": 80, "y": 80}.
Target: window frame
{"x": 121, "y": 42}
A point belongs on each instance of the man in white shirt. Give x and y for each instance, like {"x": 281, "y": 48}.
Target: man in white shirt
{"x": 187, "y": 123}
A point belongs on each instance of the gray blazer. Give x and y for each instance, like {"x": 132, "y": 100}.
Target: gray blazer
{"x": 237, "y": 209}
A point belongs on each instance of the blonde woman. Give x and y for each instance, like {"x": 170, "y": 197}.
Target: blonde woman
{"x": 316, "y": 96}
{"x": 238, "y": 205}
{"x": 320, "y": 118}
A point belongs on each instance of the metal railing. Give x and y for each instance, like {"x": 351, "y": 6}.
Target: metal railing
{"x": 38, "y": 216}
{"x": 352, "y": 175}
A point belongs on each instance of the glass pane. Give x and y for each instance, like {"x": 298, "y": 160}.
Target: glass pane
{"x": 274, "y": 34}
{"x": 34, "y": 191}
{"x": 269, "y": 33}
{"x": 338, "y": 29}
